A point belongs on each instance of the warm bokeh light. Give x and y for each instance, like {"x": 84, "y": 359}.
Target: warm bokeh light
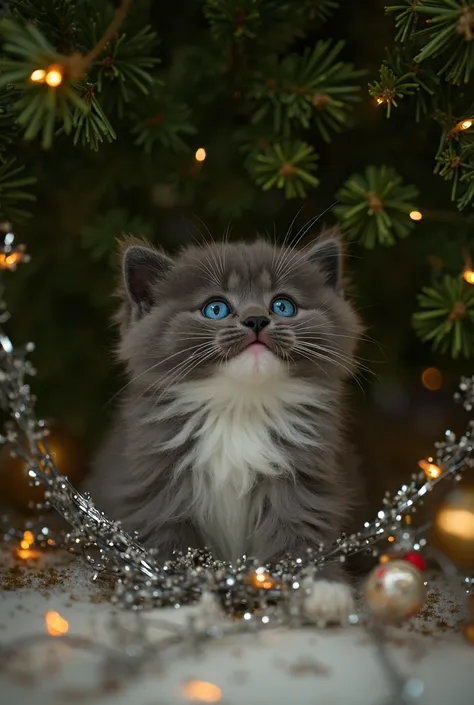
{"x": 55, "y": 624}
{"x": 38, "y": 76}
{"x": 261, "y": 579}
{"x": 384, "y": 558}
{"x": 54, "y": 77}
{"x": 391, "y": 539}
{"x": 379, "y": 100}
{"x": 10, "y": 261}
{"x": 27, "y": 553}
{"x": 416, "y": 215}
{"x": 457, "y": 522}
{"x": 200, "y": 154}
{"x": 202, "y": 691}
{"x": 27, "y": 540}
{"x": 466, "y": 124}
{"x": 431, "y": 470}
{"x": 432, "y": 379}
{"x": 468, "y": 276}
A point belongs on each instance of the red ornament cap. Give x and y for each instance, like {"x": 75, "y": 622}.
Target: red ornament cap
{"x": 415, "y": 559}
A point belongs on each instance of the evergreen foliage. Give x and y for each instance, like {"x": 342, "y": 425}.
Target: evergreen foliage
{"x": 286, "y": 98}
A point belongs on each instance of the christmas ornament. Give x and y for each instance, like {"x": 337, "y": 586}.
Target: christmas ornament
{"x": 415, "y": 559}
{"x": 15, "y": 488}
{"x": 454, "y": 527}
{"x": 394, "y": 591}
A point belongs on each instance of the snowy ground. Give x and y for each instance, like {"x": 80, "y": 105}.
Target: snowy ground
{"x": 301, "y": 667}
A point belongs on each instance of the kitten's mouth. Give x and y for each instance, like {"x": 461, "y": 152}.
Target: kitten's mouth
{"x": 256, "y": 345}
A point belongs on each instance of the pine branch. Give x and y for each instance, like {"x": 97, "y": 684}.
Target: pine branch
{"x": 289, "y": 167}
{"x": 374, "y": 208}
{"x": 400, "y": 62}
{"x": 100, "y": 236}
{"x": 92, "y": 127}
{"x": 456, "y": 165}
{"x": 274, "y": 23}
{"x": 12, "y": 191}
{"x": 314, "y": 87}
{"x": 167, "y": 124}
{"x": 447, "y": 316}
{"x": 122, "y": 74}
{"x": 390, "y": 87}
{"x": 447, "y": 35}
{"x": 53, "y": 93}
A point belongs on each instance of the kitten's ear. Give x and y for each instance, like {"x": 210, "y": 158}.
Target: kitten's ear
{"x": 142, "y": 268}
{"x": 327, "y": 254}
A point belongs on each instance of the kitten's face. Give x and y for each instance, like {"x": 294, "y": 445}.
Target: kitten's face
{"x": 246, "y": 311}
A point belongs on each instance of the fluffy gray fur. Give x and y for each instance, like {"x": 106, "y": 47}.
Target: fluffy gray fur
{"x": 152, "y": 473}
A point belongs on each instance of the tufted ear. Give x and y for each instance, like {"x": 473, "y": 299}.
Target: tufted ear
{"x": 142, "y": 268}
{"x": 327, "y": 254}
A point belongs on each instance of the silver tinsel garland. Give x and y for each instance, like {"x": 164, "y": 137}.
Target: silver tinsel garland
{"x": 265, "y": 596}
{"x": 141, "y": 580}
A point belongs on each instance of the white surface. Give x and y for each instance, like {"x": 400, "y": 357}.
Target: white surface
{"x": 301, "y": 667}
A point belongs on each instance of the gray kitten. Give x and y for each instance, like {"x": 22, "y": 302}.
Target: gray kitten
{"x": 230, "y": 428}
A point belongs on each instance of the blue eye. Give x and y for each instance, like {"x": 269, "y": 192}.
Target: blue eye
{"x": 216, "y": 310}
{"x": 283, "y": 307}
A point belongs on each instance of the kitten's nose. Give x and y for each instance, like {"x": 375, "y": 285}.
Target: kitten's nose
{"x": 256, "y": 323}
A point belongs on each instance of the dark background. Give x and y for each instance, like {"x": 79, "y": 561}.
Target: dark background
{"x": 63, "y": 300}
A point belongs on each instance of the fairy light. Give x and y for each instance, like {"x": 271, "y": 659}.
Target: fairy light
{"x": 38, "y": 76}
{"x": 379, "y": 100}
{"x": 457, "y": 522}
{"x": 200, "y": 154}
{"x": 432, "y": 379}
{"x": 466, "y": 124}
{"x": 468, "y": 276}
{"x": 416, "y": 215}
{"x": 27, "y": 540}
{"x": 429, "y": 467}
{"x": 261, "y": 578}
{"x": 54, "y": 76}
{"x": 11, "y": 260}
{"x": 202, "y": 691}
{"x": 25, "y": 551}
{"x": 55, "y": 624}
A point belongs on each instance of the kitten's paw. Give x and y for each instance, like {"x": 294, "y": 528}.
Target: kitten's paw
{"x": 329, "y": 602}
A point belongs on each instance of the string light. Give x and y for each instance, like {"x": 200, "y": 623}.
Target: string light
{"x": 416, "y": 215}
{"x": 432, "y": 379}
{"x": 54, "y": 76}
{"x": 261, "y": 578}
{"x": 200, "y": 154}
{"x": 462, "y": 125}
{"x": 38, "y": 76}
{"x": 431, "y": 470}
{"x": 468, "y": 276}
{"x": 27, "y": 540}
{"x": 11, "y": 260}
{"x": 202, "y": 691}
{"x": 55, "y": 624}
{"x": 379, "y": 100}
{"x": 25, "y": 551}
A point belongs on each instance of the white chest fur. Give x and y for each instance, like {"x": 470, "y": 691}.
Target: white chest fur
{"x": 232, "y": 422}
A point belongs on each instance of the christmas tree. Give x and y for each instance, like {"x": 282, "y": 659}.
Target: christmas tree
{"x": 167, "y": 120}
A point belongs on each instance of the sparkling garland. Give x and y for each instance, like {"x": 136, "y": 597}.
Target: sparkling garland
{"x": 265, "y": 596}
{"x": 142, "y": 581}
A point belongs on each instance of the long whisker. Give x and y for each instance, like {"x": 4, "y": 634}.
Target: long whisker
{"x": 150, "y": 369}
{"x": 327, "y": 356}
